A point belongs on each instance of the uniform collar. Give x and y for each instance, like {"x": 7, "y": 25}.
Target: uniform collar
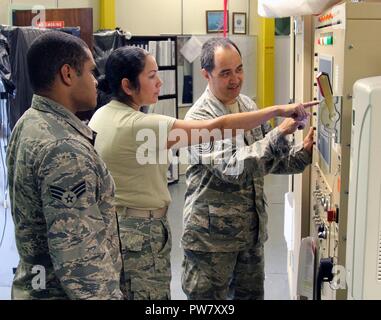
{"x": 47, "y": 105}
{"x": 121, "y": 105}
{"x": 221, "y": 107}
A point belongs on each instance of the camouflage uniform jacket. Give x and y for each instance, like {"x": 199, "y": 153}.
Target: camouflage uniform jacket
{"x": 62, "y": 205}
{"x": 224, "y": 208}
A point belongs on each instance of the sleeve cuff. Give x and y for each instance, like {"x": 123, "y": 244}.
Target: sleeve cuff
{"x": 303, "y": 155}
{"x": 306, "y": 156}
{"x": 278, "y": 142}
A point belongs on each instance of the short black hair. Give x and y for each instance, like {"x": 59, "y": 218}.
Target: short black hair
{"x": 125, "y": 62}
{"x": 208, "y": 49}
{"x": 49, "y": 52}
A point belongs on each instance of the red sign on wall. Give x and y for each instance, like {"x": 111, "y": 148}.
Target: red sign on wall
{"x": 51, "y": 24}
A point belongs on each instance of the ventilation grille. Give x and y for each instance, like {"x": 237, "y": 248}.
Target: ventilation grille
{"x": 379, "y": 258}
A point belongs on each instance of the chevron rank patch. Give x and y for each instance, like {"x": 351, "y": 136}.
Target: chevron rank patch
{"x": 68, "y": 197}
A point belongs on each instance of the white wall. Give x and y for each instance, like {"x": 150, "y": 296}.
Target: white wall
{"x": 149, "y": 17}
{"x": 282, "y": 70}
{"x": 248, "y": 48}
{"x": 253, "y": 17}
{"x": 30, "y": 3}
{"x": 4, "y": 5}
{"x": 194, "y": 13}
{"x": 7, "y": 6}
{"x": 153, "y": 17}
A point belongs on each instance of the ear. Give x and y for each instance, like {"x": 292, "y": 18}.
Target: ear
{"x": 66, "y": 74}
{"x": 205, "y": 74}
{"x": 126, "y": 86}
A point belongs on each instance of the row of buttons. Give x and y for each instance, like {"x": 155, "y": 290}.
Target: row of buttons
{"x": 325, "y": 41}
{"x": 326, "y": 17}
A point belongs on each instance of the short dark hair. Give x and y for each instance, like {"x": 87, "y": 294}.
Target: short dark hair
{"x": 209, "y": 48}
{"x": 49, "y": 52}
{"x": 125, "y": 62}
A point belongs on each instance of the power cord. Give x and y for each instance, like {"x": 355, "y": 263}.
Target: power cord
{"x": 3, "y": 146}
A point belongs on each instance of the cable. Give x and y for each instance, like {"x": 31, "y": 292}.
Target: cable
{"x": 4, "y": 228}
{"x": 182, "y": 17}
{"x": 328, "y": 135}
{"x": 338, "y": 119}
{"x": 5, "y": 132}
{"x": 248, "y": 16}
{"x": 2, "y": 150}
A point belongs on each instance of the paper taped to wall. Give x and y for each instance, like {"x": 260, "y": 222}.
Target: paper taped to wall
{"x": 191, "y": 49}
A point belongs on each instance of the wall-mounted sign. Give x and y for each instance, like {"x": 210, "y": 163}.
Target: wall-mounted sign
{"x": 51, "y": 24}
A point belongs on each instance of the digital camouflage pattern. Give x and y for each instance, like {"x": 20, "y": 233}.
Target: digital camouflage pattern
{"x": 208, "y": 274}
{"x": 220, "y": 205}
{"x": 62, "y": 205}
{"x": 225, "y": 204}
{"x": 146, "y": 247}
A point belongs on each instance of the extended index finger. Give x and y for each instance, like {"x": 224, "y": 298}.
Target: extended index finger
{"x": 310, "y": 104}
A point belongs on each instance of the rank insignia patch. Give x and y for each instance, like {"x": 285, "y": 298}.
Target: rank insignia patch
{"x": 68, "y": 197}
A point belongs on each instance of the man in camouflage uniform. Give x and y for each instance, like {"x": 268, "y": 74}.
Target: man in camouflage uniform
{"x": 61, "y": 191}
{"x": 225, "y": 219}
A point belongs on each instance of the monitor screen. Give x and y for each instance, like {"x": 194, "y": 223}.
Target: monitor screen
{"x": 324, "y": 137}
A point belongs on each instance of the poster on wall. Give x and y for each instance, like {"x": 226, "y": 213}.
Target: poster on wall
{"x": 215, "y": 21}
{"x": 239, "y": 22}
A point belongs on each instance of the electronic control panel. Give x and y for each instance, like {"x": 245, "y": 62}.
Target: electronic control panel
{"x": 347, "y": 47}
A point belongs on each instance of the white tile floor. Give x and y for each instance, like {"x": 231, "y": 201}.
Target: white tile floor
{"x": 276, "y": 283}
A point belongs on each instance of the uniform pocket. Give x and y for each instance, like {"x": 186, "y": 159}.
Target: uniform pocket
{"x": 133, "y": 242}
{"x": 133, "y": 234}
{"x": 160, "y": 295}
{"x": 227, "y": 222}
{"x": 148, "y": 290}
{"x": 139, "y": 290}
{"x": 166, "y": 249}
{"x": 161, "y": 244}
{"x": 137, "y": 255}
